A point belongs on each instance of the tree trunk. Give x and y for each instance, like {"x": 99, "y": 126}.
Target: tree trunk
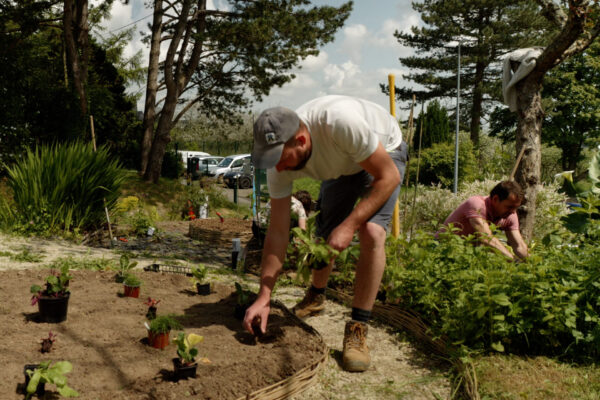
{"x": 79, "y": 70}
{"x": 529, "y": 129}
{"x": 151, "y": 86}
{"x": 161, "y": 140}
{"x": 476, "y": 106}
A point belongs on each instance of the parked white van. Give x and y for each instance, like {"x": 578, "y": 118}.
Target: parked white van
{"x": 230, "y": 163}
{"x": 185, "y": 154}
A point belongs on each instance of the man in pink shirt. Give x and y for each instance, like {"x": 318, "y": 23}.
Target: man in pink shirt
{"x": 499, "y": 208}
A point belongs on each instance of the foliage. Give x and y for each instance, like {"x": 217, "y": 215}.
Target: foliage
{"x": 198, "y": 275}
{"x": 486, "y": 29}
{"x": 87, "y": 263}
{"x": 243, "y": 295}
{"x": 132, "y": 280}
{"x": 436, "y": 126}
{"x": 63, "y": 187}
{"x": 172, "y": 166}
{"x": 54, "y": 374}
{"x": 437, "y": 164}
{"x": 473, "y": 296}
{"x": 311, "y": 251}
{"x": 38, "y": 107}
{"x": 124, "y": 267}
{"x": 164, "y": 324}
{"x": 186, "y": 347}
{"x": 56, "y": 284}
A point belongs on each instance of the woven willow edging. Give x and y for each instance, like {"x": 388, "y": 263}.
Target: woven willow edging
{"x": 302, "y": 379}
{"x": 405, "y": 319}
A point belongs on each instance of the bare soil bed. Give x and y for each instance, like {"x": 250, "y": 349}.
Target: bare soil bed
{"x": 105, "y": 339}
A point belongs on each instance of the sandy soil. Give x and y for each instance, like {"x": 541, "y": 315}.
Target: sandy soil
{"x": 398, "y": 370}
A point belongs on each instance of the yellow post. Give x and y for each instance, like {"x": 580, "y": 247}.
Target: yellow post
{"x": 396, "y": 214}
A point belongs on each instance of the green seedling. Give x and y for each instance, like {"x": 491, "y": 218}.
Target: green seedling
{"x": 132, "y": 281}
{"x": 198, "y": 275}
{"x": 124, "y": 267}
{"x": 163, "y": 324}
{"x": 186, "y": 347}
{"x": 54, "y": 374}
{"x": 56, "y": 285}
{"x": 243, "y": 295}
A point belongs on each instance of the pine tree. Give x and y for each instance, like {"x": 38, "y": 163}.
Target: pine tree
{"x": 486, "y": 30}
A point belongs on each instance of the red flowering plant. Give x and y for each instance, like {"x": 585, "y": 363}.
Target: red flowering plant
{"x": 56, "y": 285}
{"x": 151, "y": 303}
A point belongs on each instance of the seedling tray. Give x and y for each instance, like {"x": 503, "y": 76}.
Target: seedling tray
{"x": 171, "y": 269}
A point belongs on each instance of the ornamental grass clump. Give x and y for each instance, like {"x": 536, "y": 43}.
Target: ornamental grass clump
{"x": 63, "y": 187}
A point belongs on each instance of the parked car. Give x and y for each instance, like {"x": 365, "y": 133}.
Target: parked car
{"x": 240, "y": 178}
{"x": 185, "y": 154}
{"x": 230, "y": 163}
{"x": 199, "y": 166}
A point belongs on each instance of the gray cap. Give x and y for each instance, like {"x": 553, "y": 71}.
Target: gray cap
{"x": 272, "y": 129}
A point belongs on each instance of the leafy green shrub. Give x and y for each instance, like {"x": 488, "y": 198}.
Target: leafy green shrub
{"x": 54, "y": 374}
{"x": 437, "y": 164}
{"x": 473, "y": 296}
{"x": 141, "y": 219}
{"x": 172, "y": 165}
{"x": 62, "y": 187}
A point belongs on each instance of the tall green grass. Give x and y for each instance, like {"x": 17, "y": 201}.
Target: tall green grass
{"x": 61, "y": 188}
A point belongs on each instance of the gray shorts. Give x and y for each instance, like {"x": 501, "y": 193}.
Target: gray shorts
{"x": 338, "y": 197}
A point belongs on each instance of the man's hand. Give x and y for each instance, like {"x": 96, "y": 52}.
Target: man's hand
{"x": 340, "y": 237}
{"x": 258, "y": 312}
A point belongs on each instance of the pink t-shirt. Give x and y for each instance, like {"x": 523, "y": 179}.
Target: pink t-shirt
{"x": 479, "y": 207}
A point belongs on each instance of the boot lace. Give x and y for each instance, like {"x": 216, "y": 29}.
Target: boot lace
{"x": 356, "y": 337}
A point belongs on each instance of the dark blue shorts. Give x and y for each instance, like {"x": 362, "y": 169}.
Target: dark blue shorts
{"x": 338, "y": 197}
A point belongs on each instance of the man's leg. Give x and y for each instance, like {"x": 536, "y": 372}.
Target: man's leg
{"x": 371, "y": 264}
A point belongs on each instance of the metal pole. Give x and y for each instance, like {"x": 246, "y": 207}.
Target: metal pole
{"x": 457, "y": 124}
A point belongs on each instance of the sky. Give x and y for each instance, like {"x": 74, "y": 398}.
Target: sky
{"x": 362, "y": 55}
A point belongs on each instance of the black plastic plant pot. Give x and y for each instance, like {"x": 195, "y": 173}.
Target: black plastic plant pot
{"x": 183, "y": 371}
{"x": 53, "y": 309}
{"x": 151, "y": 314}
{"x": 240, "y": 311}
{"x": 203, "y": 289}
{"x": 41, "y": 388}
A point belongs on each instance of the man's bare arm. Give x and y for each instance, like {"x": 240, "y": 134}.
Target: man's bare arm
{"x": 486, "y": 237}
{"x": 515, "y": 240}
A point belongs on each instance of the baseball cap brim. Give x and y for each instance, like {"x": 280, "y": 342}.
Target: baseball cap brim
{"x": 266, "y": 157}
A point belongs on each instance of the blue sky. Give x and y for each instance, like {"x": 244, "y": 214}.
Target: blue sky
{"x": 362, "y": 55}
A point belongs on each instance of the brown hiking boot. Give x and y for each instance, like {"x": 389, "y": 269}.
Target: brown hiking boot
{"x": 356, "y": 356}
{"x": 312, "y": 304}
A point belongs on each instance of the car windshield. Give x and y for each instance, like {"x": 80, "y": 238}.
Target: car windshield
{"x": 225, "y": 162}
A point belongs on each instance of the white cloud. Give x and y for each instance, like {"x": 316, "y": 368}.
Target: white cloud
{"x": 339, "y": 76}
{"x": 354, "y": 38}
{"x": 315, "y": 63}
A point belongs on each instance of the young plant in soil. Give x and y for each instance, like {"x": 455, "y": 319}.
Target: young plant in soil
{"x": 132, "y": 285}
{"x": 48, "y": 342}
{"x": 159, "y": 329}
{"x": 185, "y": 365}
{"x": 56, "y": 285}
{"x": 243, "y": 297}
{"x": 198, "y": 276}
{"x": 53, "y": 301}
{"x": 151, "y": 303}
{"x": 124, "y": 267}
{"x": 54, "y": 374}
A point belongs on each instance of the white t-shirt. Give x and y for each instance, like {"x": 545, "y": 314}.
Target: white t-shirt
{"x": 344, "y": 132}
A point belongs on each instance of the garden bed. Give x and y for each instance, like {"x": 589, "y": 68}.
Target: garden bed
{"x": 105, "y": 340}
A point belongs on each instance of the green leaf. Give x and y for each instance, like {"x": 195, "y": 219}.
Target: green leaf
{"x": 498, "y": 347}
{"x": 501, "y": 299}
{"x": 67, "y": 391}
{"x": 33, "y": 382}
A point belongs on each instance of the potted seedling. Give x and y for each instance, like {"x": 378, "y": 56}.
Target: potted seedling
{"x": 124, "y": 267}
{"x": 243, "y": 301}
{"x": 131, "y": 286}
{"x": 36, "y": 376}
{"x": 197, "y": 279}
{"x": 185, "y": 365}
{"x": 53, "y": 301}
{"x": 159, "y": 329}
{"x": 151, "y": 303}
{"x": 48, "y": 342}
